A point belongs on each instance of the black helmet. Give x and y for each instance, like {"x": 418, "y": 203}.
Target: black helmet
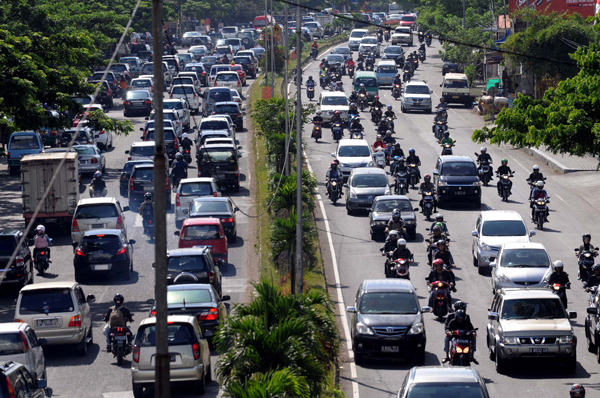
{"x": 118, "y": 299}
{"x": 577, "y": 390}
{"x": 461, "y": 314}
{"x": 459, "y": 305}
{"x": 588, "y": 236}
{"x": 436, "y": 228}
{"x": 148, "y": 197}
{"x": 595, "y": 267}
{"x": 440, "y": 242}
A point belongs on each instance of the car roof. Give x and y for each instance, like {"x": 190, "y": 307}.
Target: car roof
{"x": 456, "y": 158}
{"x": 353, "y": 142}
{"x": 443, "y": 374}
{"x": 387, "y": 62}
{"x": 333, "y": 94}
{"x": 50, "y": 285}
{"x": 366, "y": 74}
{"x": 202, "y": 221}
{"x": 196, "y": 180}
{"x": 96, "y": 201}
{"x": 391, "y": 197}
{"x": 212, "y": 199}
{"x": 495, "y": 215}
{"x": 456, "y": 76}
{"x": 211, "y": 146}
{"x": 516, "y": 293}
{"x": 95, "y": 232}
{"x": 10, "y": 231}
{"x": 191, "y": 251}
{"x": 368, "y": 170}
{"x": 171, "y": 318}
{"x": 11, "y": 326}
{"x": 417, "y": 83}
{"x": 386, "y": 285}
{"x": 523, "y": 245}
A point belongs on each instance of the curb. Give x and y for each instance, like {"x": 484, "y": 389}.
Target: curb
{"x": 553, "y": 163}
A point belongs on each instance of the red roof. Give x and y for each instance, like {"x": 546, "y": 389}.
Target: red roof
{"x": 202, "y": 221}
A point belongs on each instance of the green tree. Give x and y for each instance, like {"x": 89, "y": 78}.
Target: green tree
{"x": 274, "y": 384}
{"x": 283, "y": 240}
{"x": 284, "y": 198}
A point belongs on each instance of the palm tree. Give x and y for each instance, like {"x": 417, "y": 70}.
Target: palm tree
{"x": 275, "y": 384}
{"x": 284, "y": 193}
{"x": 283, "y": 238}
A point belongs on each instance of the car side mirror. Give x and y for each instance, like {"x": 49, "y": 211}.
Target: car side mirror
{"x": 41, "y": 383}
{"x": 436, "y": 172}
{"x": 42, "y": 341}
{"x": 239, "y": 154}
{"x": 572, "y": 314}
{"x": 225, "y": 298}
{"x": 332, "y": 154}
{"x": 440, "y": 86}
{"x": 475, "y": 233}
{"x": 90, "y": 298}
{"x": 176, "y": 233}
{"x": 127, "y": 152}
{"x": 426, "y": 309}
{"x": 592, "y": 310}
{"x": 493, "y": 316}
{"x": 431, "y": 92}
{"x": 531, "y": 233}
{"x": 132, "y": 241}
{"x": 150, "y": 301}
{"x": 346, "y": 186}
{"x": 493, "y": 264}
{"x": 351, "y": 309}
{"x": 236, "y": 209}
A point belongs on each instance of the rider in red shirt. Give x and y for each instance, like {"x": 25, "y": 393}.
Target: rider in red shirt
{"x": 350, "y": 63}
{"x": 379, "y": 142}
{"x": 314, "y": 45}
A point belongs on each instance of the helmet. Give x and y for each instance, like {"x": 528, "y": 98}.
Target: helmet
{"x": 397, "y": 74}
{"x": 558, "y": 264}
{"x": 436, "y": 228}
{"x": 437, "y": 262}
{"x": 483, "y": 149}
{"x": 397, "y": 158}
{"x": 310, "y": 77}
{"x": 439, "y": 217}
{"x": 401, "y": 243}
{"x": 389, "y": 132}
{"x": 353, "y": 104}
{"x": 577, "y": 390}
{"x": 376, "y": 97}
{"x": 439, "y": 224}
{"x": 460, "y": 314}
{"x": 395, "y": 213}
{"x": 446, "y": 134}
{"x": 178, "y": 156}
{"x": 393, "y": 232}
{"x": 440, "y": 111}
{"x": 148, "y": 197}
{"x": 460, "y": 305}
{"x": 379, "y": 136}
{"x": 536, "y": 167}
{"x": 98, "y": 174}
{"x": 540, "y": 184}
{"x": 318, "y": 113}
{"x": 41, "y": 228}
{"x": 401, "y": 160}
{"x": 336, "y": 113}
{"x": 440, "y": 242}
{"x": 595, "y": 267}
{"x": 118, "y": 299}
{"x": 389, "y": 107}
{"x": 397, "y": 145}
{"x": 185, "y": 135}
{"x": 337, "y": 162}
{"x": 411, "y": 150}
{"x": 362, "y": 85}
{"x": 588, "y": 236}
{"x": 334, "y": 164}
{"x": 427, "y": 178}
{"x": 504, "y": 161}
{"x": 315, "y": 40}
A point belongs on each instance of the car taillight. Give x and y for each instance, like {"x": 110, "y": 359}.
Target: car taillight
{"x": 19, "y": 260}
{"x": 94, "y": 160}
{"x": 171, "y": 95}
{"x": 19, "y": 320}
{"x": 239, "y": 114}
{"x": 215, "y": 83}
{"x": 122, "y": 251}
{"x": 147, "y": 102}
{"x": 203, "y": 73}
{"x": 53, "y": 132}
{"x": 211, "y": 277}
{"x": 239, "y": 83}
{"x": 75, "y": 321}
{"x": 24, "y": 341}
{"x": 153, "y": 313}
{"x": 75, "y": 225}
{"x": 215, "y": 194}
{"x": 196, "y": 349}
{"x": 120, "y": 222}
{"x": 213, "y": 314}
{"x": 136, "y": 354}
{"x": 9, "y": 388}
{"x": 131, "y": 184}
{"x": 79, "y": 253}
{"x": 102, "y": 132}
{"x": 223, "y": 220}
{"x": 177, "y": 202}
{"x": 129, "y": 158}
{"x": 167, "y": 186}
{"x": 126, "y": 103}
{"x": 199, "y": 172}
{"x": 152, "y": 89}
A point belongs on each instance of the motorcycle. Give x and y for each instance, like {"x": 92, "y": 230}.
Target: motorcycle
{"x": 317, "y": 132}
{"x": 41, "y": 261}
{"x": 483, "y": 171}
{"x": 149, "y": 227}
{"x": 561, "y": 291}
{"x": 379, "y": 158}
{"x": 460, "y": 347}
{"x": 540, "y": 209}
{"x": 427, "y": 204}
{"x": 396, "y": 91}
{"x": 338, "y": 131}
{"x": 447, "y": 148}
{"x": 439, "y": 129}
{"x": 444, "y": 110}
{"x": 97, "y": 193}
{"x": 314, "y": 52}
{"x": 310, "y": 92}
{"x": 356, "y": 134}
{"x": 389, "y": 264}
{"x": 440, "y": 298}
{"x": 387, "y": 35}
{"x": 401, "y": 184}
{"x": 428, "y": 40}
{"x": 505, "y": 186}
{"x": 380, "y": 38}
{"x": 407, "y": 75}
{"x": 119, "y": 345}
{"x": 360, "y": 66}
{"x": 586, "y": 261}
{"x": 370, "y": 66}
{"x": 421, "y": 37}
{"x": 335, "y": 190}
{"x": 337, "y": 76}
{"x": 324, "y": 81}
{"x": 376, "y": 115}
{"x": 363, "y": 102}
{"x": 390, "y": 124}
{"x": 400, "y": 269}
{"x": 414, "y": 175}
{"x": 432, "y": 247}
{"x": 422, "y": 56}
{"x": 351, "y": 72}
{"x": 187, "y": 156}
{"x": 415, "y": 63}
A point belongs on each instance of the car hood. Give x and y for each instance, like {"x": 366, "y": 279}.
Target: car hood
{"x": 354, "y": 40}
{"x": 546, "y": 326}
{"x": 401, "y": 35}
{"x": 386, "y": 216}
{"x": 525, "y": 274}
{"x": 354, "y": 160}
{"x": 368, "y": 45}
{"x": 390, "y": 320}
{"x": 368, "y": 191}
{"x": 417, "y": 96}
{"x": 341, "y": 108}
{"x": 497, "y": 241}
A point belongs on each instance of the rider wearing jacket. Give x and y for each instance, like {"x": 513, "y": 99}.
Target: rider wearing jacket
{"x": 363, "y": 90}
{"x": 118, "y": 316}
{"x": 147, "y": 209}
{"x": 397, "y": 151}
{"x": 414, "y": 159}
{"x": 392, "y": 243}
{"x": 318, "y": 118}
{"x": 427, "y": 185}
{"x": 98, "y": 182}
{"x": 398, "y": 80}
{"x": 390, "y": 112}
{"x": 353, "y": 97}
{"x": 559, "y": 275}
{"x": 314, "y": 45}
{"x": 41, "y": 242}
{"x": 460, "y": 322}
{"x": 439, "y": 221}
{"x": 396, "y": 223}
{"x": 438, "y": 117}
{"x": 594, "y": 279}
{"x": 186, "y": 143}
{"x": 503, "y": 170}
{"x": 388, "y": 139}
{"x": 442, "y": 253}
{"x": 310, "y": 82}
{"x": 356, "y": 124}
{"x": 459, "y": 305}
{"x": 439, "y": 273}
{"x": 485, "y": 157}
{"x": 382, "y": 127}
{"x": 333, "y": 174}
{"x": 446, "y": 139}
{"x": 353, "y": 109}
{"x": 536, "y": 175}
{"x": 402, "y": 251}
{"x": 538, "y": 193}
{"x": 350, "y": 64}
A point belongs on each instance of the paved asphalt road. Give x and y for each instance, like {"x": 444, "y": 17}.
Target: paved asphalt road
{"x": 358, "y": 257}
{"x": 97, "y": 374}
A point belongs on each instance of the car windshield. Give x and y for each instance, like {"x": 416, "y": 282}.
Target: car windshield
{"x": 85, "y": 150}
{"x": 143, "y": 174}
{"x": 106, "y": 243}
{"x": 242, "y": 60}
{"x": 172, "y": 105}
{"x": 367, "y": 81}
{"x": 228, "y": 30}
{"x": 141, "y": 83}
{"x": 342, "y": 50}
{"x": 403, "y": 31}
{"x": 208, "y": 60}
{"x": 195, "y": 296}
{"x": 456, "y": 84}
{"x": 82, "y": 100}
{"x": 7, "y": 245}
{"x": 147, "y": 69}
{"x": 335, "y": 58}
{"x": 118, "y": 68}
{"x": 187, "y": 264}
{"x": 222, "y": 50}
{"x": 177, "y": 334}
{"x": 196, "y": 189}
{"x": 518, "y": 258}
{"x": 447, "y": 390}
{"x": 201, "y": 232}
{"x": 548, "y": 308}
{"x": 185, "y": 57}
{"x": 227, "y": 77}
{"x": 137, "y": 95}
{"x": 10, "y": 344}
{"x": 331, "y": 100}
{"x": 387, "y": 205}
{"x": 214, "y": 125}
{"x": 357, "y": 34}
{"x": 94, "y": 211}
{"x": 130, "y": 61}
{"x": 191, "y": 34}
{"x": 504, "y": 228}
{"x": 388, "y": 303}
{"x": 220, "y": 96}
{"x": 142, "y": 151}
{"x": 417, "y": 89}
{"x": 169, "y": 135}
{"x": 354, "y": 151}
{"x": 393, "y": 50}
{"x": 46, "y": 301}
{"x": 369, "y": 181}
{"x": 183, "y": 90}
{"x": 210, "y": 206}
{"x": 386, "y": 69}
{"x": 459, "y": 169}
{"x": 226, "y": 109}
{"x": 183, "y": 80}
{"x": 24, "y": 142}
{"x": 369, "y": 40}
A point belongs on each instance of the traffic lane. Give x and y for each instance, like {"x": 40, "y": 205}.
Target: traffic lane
{"x": 456, "y": 216}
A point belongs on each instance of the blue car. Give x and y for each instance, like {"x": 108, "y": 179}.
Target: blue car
{"x": 20, "y": 144}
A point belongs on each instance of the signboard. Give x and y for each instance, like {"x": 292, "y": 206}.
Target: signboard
{"x": 585, "y": 8}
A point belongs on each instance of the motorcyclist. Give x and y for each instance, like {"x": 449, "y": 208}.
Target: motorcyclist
{"x": 440, "y": 273}
{"x": 353, "y": 109}
{"x": 577, "y": 390}
{"x": 332, "y": 174}
{"x": 536, "y": 175}
{"x": 485, "y": 157}
{"x": 41, "y": 241}
{"x": 324, "y": 65}
{"x": 460, "y": 322}
{"x": 147, "y": 209}
{"x": 459, "y": 305}
{"x": 558, "y": 275}
{"x": 186, "y": 143}
{"x": 179, "y": 167}
{"x": 397, "y": 151}
{"x": 353, "y": 98}
{"x": 391, "y": 244}
{"x": 538, "y": 193}
{"x": 118, "y": 316}
{"x": 414, "y": 159}
{"x": 390, "y": 112}
{"x": 400, "y": 165}
{"x": 443, "y": 253}
{"x": 446, "y": 139}
{"x": 593, "y": 279}
{"x": 427, "y": 186}
{"x": 382, "y": 127}
{"x": 340, "y": 85}
{"x": 396, "y": 223}
{"x": 337, "y": 118}
{"x": 356, "y": 124}
{"x": 378, "y": 142}
{"x": 438, "y": 117}
{"x": 362, "y": 89}
{"x": 587, "y": 245}
{"x": 310, "y": 82}
{"x": 318, "y": 118}
{"x": 388, "y": 139}
{"x": 443, "y": 105}
{"x": 398, "y": 79}
{"x": 314, "y": 45}
{"x": 402, "y": 251}
{"x": 376, "y": 103}
{"x": 503, "y": 170}
{"x": 98, "y": 184}
{"x": 439, "y": 221}
{"x": 350, "y": 64}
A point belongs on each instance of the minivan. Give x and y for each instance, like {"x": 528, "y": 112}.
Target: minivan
{"x": 213, "y": 95}
{"x": 455, "y": 180}
{"x": 216, "y": 69}
{"x": 369, "y": 79}
{"x": 220, "y": 162}
{"x": 20, "y": 144}
{"x": 204, "y": 231}
{"x": 97, "y": 213}
{"x": 386, "y": 72}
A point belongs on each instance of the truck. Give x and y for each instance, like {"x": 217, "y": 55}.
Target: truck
{"x": 36, "y": 174}
{"x": 325, "y": 18}
{"x": 455, "y": 89}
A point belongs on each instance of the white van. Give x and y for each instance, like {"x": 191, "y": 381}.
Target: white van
{"x": 216, "y": 69}
{"x": 455, "y": 89}
{"x": 385, "y": 72}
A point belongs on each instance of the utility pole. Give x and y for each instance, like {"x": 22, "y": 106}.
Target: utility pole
{"x": 162, "y": 384}
{"x": 265, "y": 38}
{"x": 299, "y": 267}
{"x": 465, "y": 15}
{"x": 272, "y": 53}
{"x": 285, "y": 87}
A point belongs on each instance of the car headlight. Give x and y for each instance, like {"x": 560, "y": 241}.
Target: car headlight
{"x": 352, "y": 195}
{"x": 443, "y": 184}
{"x": 417, "y": 328}
{"x": 565, "y": 339}
{"x": 344, "y": 165}
{"x": 427, "y": 100}
{"x": 510, "y": 340}
{"x": 485, "y": 248}
{"x": 364, "y": 329}
{"x": 370, "y": 164}
{"x": 503, "y": 278}
{"x": 408, "y": 100}
{"x": 381, "y": 222}
{"x": 477, "y": 183}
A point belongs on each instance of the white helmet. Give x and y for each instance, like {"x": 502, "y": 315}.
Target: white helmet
{"x": 393, "y": 232}
{"x": 401, "y": 243}
{"x": 558, "y": 264}
{"x": 536, "y": 167}
{"x": 483, "y": 149}
{"x": 185, "y": 135}
{"x": 318, "y": 113}
{"x": 41, "y": 228}
{"x": 540, "y": 184}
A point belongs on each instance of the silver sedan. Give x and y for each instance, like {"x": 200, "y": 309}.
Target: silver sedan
{"x": 90, "y": 159}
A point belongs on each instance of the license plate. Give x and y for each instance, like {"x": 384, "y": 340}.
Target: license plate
{"x": 455, "y": 96}
{"x": 460, "y": 193}
{"x": 120, "y": 337}
{"x": 101, "y": 267}
{"x": 51, "y": 220}
{"x": 538, "y": 351}
{"x": 172, "y": 358}
{"x": 97, "y": 225}
{"x": 83, "y": 161}
{"x": 148, "y": 188}
{"x": 46, "y": 323}
{"x": 388, "y": 348}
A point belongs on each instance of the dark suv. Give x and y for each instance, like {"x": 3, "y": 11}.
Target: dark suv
{"x": 232, "y": 109}
{"x": 16, "y": 381}
{"x": 193, "y": 265}
{"x": 387, "y": 321}
{"x": 21, "y": 272}
{"x": 247, "y": 65}
{"x": 105, "y": 95}
{"x": 142, "y": 181}
{"x": 450, "y": 67}
{"x": 455, "y": 180}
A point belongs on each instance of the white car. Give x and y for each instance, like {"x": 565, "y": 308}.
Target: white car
{"x": 214, "y": 70}
{"x": 369, "y": 44}
{"x": 331, "y": 101}
{"x": 142, "y": 84}
{"x": 188, "y": 93}
{"x": 218, "y": 122}
{"x": 190, "y": 189}
{"x": 97, "y": 213}
{"x": 181, "y": 106}
{"x": 174, "y": 116}
{"x": 236, "y": 96}
{"x": 353, "y": 153}
{"x": 402, "y": 35}
{"x": 103, "y": 138}
{"x": 315, "y": 29}
{"x": 230, "y": 32}
{"x": 229, "y": 79}
{"x": 19, "y": 343}
{"x": 355, "y": 37}
{"x": 416, "y": 97}
{"x": 195, "y": 81}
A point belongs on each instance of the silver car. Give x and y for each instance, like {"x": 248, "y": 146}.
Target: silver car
{"x": 521, "y": 265}
{"x": 364, "y": 185}
{"x": 90, "y": 158}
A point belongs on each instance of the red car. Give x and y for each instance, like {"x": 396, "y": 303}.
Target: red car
{"x": 204, "y": 232}
{"x": 240, "y": 70}
{"x": 409, "y": 20}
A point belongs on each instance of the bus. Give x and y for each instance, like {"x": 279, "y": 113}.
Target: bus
{"x": 259, "y": 21}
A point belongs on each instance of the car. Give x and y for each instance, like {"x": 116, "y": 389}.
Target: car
{"x": 126, "y": 173}
{"x": 224, "y": 51}
{"x": 199, "y": 69}
{"x": 381, "y": 213}
{"x": 142, "y": 181}
{"x": 409, "y": 20}
{"x": 184, "y": 58}
{"x": 315, "y": 29}
{"x": 134, "y": 64}
{"x": 364, "y": 185}
{"x": 174, "y": 115}
{"x": 185, "y": 80}
{"x": 188, "y": 93}
{"x": 22, "y": 143}
{"x": 385, "y": 72}
{"x": 148, "y": 69}
{"x": 259, "y": 52}
{"x": 102, "y": 138}
{"x": 173, "y": 66}
{"x": 592, "y": 322}
{"x": 451, "y": 381}
{"x": 353, "y": 153}
{"x": 190, "y": 189}
{"x": 387, "y": 321}
{"x": 84, "y": 136}
{"x": 205, "y": 231}
{"x": 90, "y": 159}
{"x": 16, "y": 380}
{"x": 97, "y": 213}
{"x": 109, "y": 76}
{"x": 402, "y": 35}
{"x": 230, "y": 31}
{"x": 21, "y": 271}
{"x": 215, "y": 36}
{"x": 530, "y": 324}
{"x": 343, "y": 51}
{"x": 216, "y": 207}
{"x": 355, "y": 36}
{"x": 143, "y": 84}
{"x": 214, "y": 70}
{"x": 208, "y": 61}
{"x": 186, "y": 39}
{"x": 146, "y": 55}
{"x": 181, "y": 106}
{"x": 167, "y": 124}
{"x": 331, "y": 101}
{"x": 248, "y": 37}
{"x": 67, "y": 317}
{"x": 213, "y": 95}
{"x": 521, "y": 265}
{"x": 232, "y": 109}
{"x": 338, "y": 60}
{"x": 217, "y": 123}
{"x": 369, "y": 44}
{"x": 450, "y": 67}
{"x": 416, "y": 96}
{"x": 193, "y": 265}
{"x": 395, "y": 53}
{"x": 253, "y": 57}
{"x": 188, "y": 350}
{"x": 230, "y": 79}
{"x": 455, "y": 180}
{"x": 492, "y": 229}
{"x": 121, "y": 69}
{"x": 240, "y": 71}
{"x": 105, "y": 94}
{"x": 197, "y": 52}
{"x": 235, "y": 43}
{"x": 137, "y": 101}
{"x": 236, "y": 98}
{"x": 195, "y": 79}
{"x": 141, "y": 150}
{"x": 103, "y": 251}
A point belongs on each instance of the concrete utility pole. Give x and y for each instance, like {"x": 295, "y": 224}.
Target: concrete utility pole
{"x": 464, "y": 15}
{"x": 272, "y": 53}
{"x": 162, "y": 385}
{"x": 285, "y": 86}
{"x": 299, "y": 267}
{"x": 265, "y": 36}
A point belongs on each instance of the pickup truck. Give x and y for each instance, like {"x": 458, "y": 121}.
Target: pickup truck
{"x": 402, "y": 35}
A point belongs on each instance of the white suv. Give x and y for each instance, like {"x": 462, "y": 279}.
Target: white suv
{"x": 416, "y": 97}
{"x": 97, "y": 213}
{"x": 353, "y": 153}
{"x": 19, "y": 343}
{"x": 190, "y": 189}
{"x": 188, "y": 93}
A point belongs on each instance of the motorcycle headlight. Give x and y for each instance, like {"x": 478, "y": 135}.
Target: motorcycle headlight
{"x": 568, "y": 339}
{"x": 364, "y": 329}
{"x": 510, "y": 340}
{"x": 417, "y": 328}
{"x": 443, "y": 184}
{"x": 352, "y": 195}
{"x": 503, "y": 278}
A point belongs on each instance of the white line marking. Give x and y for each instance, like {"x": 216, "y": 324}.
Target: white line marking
{"x": 338, "y": 288}
{"x": 559, "y": 197}
{"x": 519, "y": 163}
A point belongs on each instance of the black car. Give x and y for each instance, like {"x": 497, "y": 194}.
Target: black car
{"x": 247, "y": 65}
{"x": 16, "y": 381}
{"x": 434, "y": 381}
{"x": 381, "y": 213}
{"x": 137, "y": 101}
{"x": 208, "y": 61}
{"x": 112, "y": 79}
{"x": 592, "y": 323}
{"x": 387, "y": 321}
{"x": 450, "y": 67}
{"x": 193, "y": 265}
{"x": 21, "y": 271}
{"x": 84, "y": 137}
{"x": 103, "y": 250}
{"x": 221, "y": 162}
{"x": 455, "y": 180}
{"x": 126, "y": 172}
{"x": 171, "y": 143}
{"x": 105, "y": 95}
{"x": 394, "y": 52}
{"x": 232, "y": 109}
{"x": 217, "y": 207}
{"x": 199, "y": 69}
{"x": 142, "y": 181}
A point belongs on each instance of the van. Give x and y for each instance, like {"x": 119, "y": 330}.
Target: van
{"x": 369, "y": 79}
{"x": 213, "y": 95}
{"x": 220, "y": 162}
{"x": 385, "y": 72}
{"x": 20, "y": 144}
{"x": 148, "y": 69}
{"x": 455, "y": 180}
{"x": 216, "y": 69}
{"x": 455, "y": 89}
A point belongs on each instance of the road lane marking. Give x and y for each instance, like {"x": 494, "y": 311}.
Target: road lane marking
{"x": 519, "y": 163}
{"x": 559, "y": 197}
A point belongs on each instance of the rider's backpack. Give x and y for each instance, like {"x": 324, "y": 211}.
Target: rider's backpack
{"x": 116, "y": 318}
{"x": 148, "y": 212}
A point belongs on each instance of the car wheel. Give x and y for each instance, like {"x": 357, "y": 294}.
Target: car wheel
{"x": 90, "y": 336}
{"x": 501, "y": 364}
{"x": 208, "y": 376}
{"x": 234, "y": 237}
{"x": 475, "y": 262}
{"x": 428, "y": 111}
{"x": 82, "y": 348}
{"x": 402, "y": 109}
{"x": 138, "y": 390}
{"x": 236, "y": 188}
{"x": 103, "y": 169}
{"x": 358, "y": 359}
{"x": 480, "y": 270}
{"x": 127, "y": 272}
{"x": 372, "y": 236}
{"x": 412, "y": 235}
{"x": 200, "y": 386}
{"x": 349, "y": 211}
{"x": 590, "y": 344}
{"x": 420, "y": 358}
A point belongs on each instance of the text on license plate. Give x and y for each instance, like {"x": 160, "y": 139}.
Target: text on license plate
{"x": 148, "y": 188}
{"x": 46, "y": 323}
{"x": 390, "y": 348}
{"x": 538, "y": 350}
{"x": 455, "y": 96}
{"x": 460, "y": 193}
{"x": 97, "y": 225}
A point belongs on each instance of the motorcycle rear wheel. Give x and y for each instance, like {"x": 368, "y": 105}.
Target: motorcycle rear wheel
{"x": 120, "y": 355}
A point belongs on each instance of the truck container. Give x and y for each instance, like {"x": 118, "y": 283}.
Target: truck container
{"x": 36, "y": 174}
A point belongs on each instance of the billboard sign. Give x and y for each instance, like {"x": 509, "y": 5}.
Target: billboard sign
{"x": 584, "y": 7}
